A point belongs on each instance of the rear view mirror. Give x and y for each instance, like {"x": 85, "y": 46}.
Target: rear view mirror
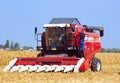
{"x": 35, "y": 30}
{"x": 101, "y": 32}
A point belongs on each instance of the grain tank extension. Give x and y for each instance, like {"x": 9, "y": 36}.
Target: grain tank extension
{"x": 61, "y": 49}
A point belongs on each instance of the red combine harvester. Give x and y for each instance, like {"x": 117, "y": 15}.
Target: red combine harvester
{"x": 61, "y": 49}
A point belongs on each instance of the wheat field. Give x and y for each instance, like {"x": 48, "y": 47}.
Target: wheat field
{"x": 110, "y": 71}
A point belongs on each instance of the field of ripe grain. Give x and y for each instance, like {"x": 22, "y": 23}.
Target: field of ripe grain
{"x": 110, "y": 71}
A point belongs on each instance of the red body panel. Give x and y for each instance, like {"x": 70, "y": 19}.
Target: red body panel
{"x": 47, "y": 61}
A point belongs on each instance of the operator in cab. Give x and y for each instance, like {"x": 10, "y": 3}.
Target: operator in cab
{"x": 82, "y": 36}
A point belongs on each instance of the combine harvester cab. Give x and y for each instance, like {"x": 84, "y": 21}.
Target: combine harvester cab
{"x": 61, "y": 50}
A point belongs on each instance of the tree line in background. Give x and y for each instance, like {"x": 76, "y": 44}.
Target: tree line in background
{"x": 14, "y": 46}
{"x": 111, "y": 50}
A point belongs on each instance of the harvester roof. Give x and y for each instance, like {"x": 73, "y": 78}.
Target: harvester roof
{"x": 64, "y": 20}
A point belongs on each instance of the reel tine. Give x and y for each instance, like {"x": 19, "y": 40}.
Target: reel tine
{"x": 51, "y": 68}
{"x": 79, "y": 63}
{"x": 33, "y": 68}
{"x": 24, "y": 68}
{"x": 69, "y": 68}
{"x": 14, "y": 68}
{"x": 10, "y": 65}
{"x": 60, "y": 68}
{"x": 7, "y": 68}
{"x": 41, "y": 68}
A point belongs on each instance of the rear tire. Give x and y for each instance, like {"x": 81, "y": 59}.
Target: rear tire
{"x": 96, "y": 65}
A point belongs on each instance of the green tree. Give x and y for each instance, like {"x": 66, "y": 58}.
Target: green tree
{"x": 7, "y": 44}
{"x": 16, "y": 46}
{"x": 12, "y": 45}
{"x": 25, "y": 48}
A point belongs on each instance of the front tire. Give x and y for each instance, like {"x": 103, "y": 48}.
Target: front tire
{"x": 96, "y": 64}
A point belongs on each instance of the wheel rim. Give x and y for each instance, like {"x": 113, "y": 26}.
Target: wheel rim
{"x": 98, "y": 67}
